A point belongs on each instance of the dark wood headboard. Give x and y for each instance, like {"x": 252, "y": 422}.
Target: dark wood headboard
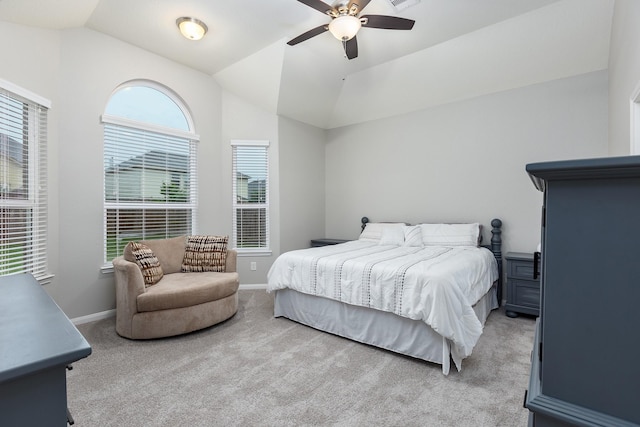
{"x": 496, "y": 236}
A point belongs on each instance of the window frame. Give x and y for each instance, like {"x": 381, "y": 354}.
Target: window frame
{"x": 191, "y": 136}
{"x": 262, "y": 250}
{"x": 36, "y": 200}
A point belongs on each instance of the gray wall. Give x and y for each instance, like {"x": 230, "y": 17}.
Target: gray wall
{"x": 241, "y": 120}
{"x": 92, "y": 66}
{"x": 78, "y": 70}
{"x": 624, "y": 73}
{"x": 302, "y": 178}
{"x": 464, "y": 162}
{"x": 458, "y": 162}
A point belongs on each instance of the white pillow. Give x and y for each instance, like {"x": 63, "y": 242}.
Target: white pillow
{"x": 393, "y": 235}
{"x": 412, "y": 235}
{"x": 373, "y": 231}
{"x": 450, "y": 234}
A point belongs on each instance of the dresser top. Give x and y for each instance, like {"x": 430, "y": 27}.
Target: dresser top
{"x": 34, "y": 333}
{"x": 605, "y": 167}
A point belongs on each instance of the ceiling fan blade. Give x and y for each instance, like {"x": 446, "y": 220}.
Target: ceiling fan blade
{"x": 351, "y": 48}
{"x": 318, "y": 5}
{"x": 387, "y": 22}
{"x": 361, "y": 4}
{"x": 306, "y": 36}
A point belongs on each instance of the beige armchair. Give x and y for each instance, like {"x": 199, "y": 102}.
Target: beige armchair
{"x": 179, "y": 302}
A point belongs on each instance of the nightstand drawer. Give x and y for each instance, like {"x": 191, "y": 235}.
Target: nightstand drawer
{"x": 520, "y": 269}
{"x": 527, "y": 293}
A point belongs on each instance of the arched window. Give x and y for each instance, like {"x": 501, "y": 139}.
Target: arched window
{"x": 150, "y": 186}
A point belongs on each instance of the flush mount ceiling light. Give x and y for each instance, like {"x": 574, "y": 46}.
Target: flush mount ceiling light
{"x": 191, "y": 28}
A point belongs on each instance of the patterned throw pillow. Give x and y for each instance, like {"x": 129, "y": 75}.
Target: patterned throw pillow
{"x": 205, "y": 253}
{"x": 148, "y": 263}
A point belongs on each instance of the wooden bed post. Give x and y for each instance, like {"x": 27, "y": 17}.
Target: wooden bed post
{"x": 364, "y": 222}
{"x": 496, "y": 238}
{"x": 496, "y": 248}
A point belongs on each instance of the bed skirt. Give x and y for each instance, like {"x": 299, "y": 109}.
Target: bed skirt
{"x": 369, "y": 326}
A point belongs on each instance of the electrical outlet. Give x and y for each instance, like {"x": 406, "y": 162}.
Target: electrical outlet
{"x": 253, "y": 266}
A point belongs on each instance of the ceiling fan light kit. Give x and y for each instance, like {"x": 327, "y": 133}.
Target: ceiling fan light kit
{"x": 191, "y": 28}
{"x": 346, "y": 22}
{"x": 344, "y": 27}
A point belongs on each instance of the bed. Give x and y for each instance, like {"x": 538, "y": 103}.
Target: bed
{"x": 421, "y": 290}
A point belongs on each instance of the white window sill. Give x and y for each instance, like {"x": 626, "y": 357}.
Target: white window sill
{"x": 253, "y": 252}
{"x": 46, "y": 279}
{"x": 106, "y": 268}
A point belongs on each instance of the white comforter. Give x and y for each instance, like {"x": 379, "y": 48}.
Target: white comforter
{"x": 438, "y": 285}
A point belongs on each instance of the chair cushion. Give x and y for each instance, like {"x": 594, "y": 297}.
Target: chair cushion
{"x": 205, "y": 253}
{"x": 179, "y": 290}
{"x": 147, "y": 262}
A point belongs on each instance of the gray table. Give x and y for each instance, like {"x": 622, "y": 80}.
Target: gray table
{"x": 37, "y": 342}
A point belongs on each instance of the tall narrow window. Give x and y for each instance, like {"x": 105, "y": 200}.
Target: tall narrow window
{"x": 23, "y": 182}
{"x": 251, "y": 195}
{"x": 150, "y": 187}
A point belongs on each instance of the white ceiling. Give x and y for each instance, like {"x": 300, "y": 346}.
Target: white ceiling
{"x": 457, "y": 49}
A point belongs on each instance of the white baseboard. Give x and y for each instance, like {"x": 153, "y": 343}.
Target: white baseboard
{"x": 253, "y": 287}
{"x": 93, "y": 317}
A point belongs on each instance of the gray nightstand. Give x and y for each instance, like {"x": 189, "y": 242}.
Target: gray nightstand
{"x": 523, "y": 291}
{"x": 325, "y": 242}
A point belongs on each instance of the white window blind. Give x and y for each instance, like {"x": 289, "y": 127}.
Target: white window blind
{"x": 150, "y": 177}
{"x": 150, "y": 186}
{"x": 23, "y": 182}
{"x": 251, "y": 195}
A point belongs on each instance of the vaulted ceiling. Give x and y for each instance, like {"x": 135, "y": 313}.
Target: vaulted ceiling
{"x": 457, "y": 49}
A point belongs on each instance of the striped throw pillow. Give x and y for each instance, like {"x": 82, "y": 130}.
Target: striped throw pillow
{"x": 205, "y": 253}
{"x": 148, "y": 263}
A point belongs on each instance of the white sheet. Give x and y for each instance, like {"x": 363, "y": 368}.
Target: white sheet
{"x": 437, "y": 285}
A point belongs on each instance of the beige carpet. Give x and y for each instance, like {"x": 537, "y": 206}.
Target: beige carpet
{"x": 256, "y": 370}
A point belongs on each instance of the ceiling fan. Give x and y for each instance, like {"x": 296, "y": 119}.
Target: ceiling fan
{"x": 345, "y": 23}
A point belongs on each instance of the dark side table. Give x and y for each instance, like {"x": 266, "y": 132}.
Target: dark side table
{"x": 523, "y": 291}
{"x": 325, "y": 242}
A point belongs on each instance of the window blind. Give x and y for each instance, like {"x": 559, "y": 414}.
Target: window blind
{"x": 23, "y": 183}
{"x": 150, "y": 188}
{"x": 250, "y": 195}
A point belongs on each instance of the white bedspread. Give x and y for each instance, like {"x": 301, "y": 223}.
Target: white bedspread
{"x": 438, "y": 285}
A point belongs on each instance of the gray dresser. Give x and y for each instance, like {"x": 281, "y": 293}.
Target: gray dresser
{"x": 37, "y": 343}
{"x": 586, "y": 355}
